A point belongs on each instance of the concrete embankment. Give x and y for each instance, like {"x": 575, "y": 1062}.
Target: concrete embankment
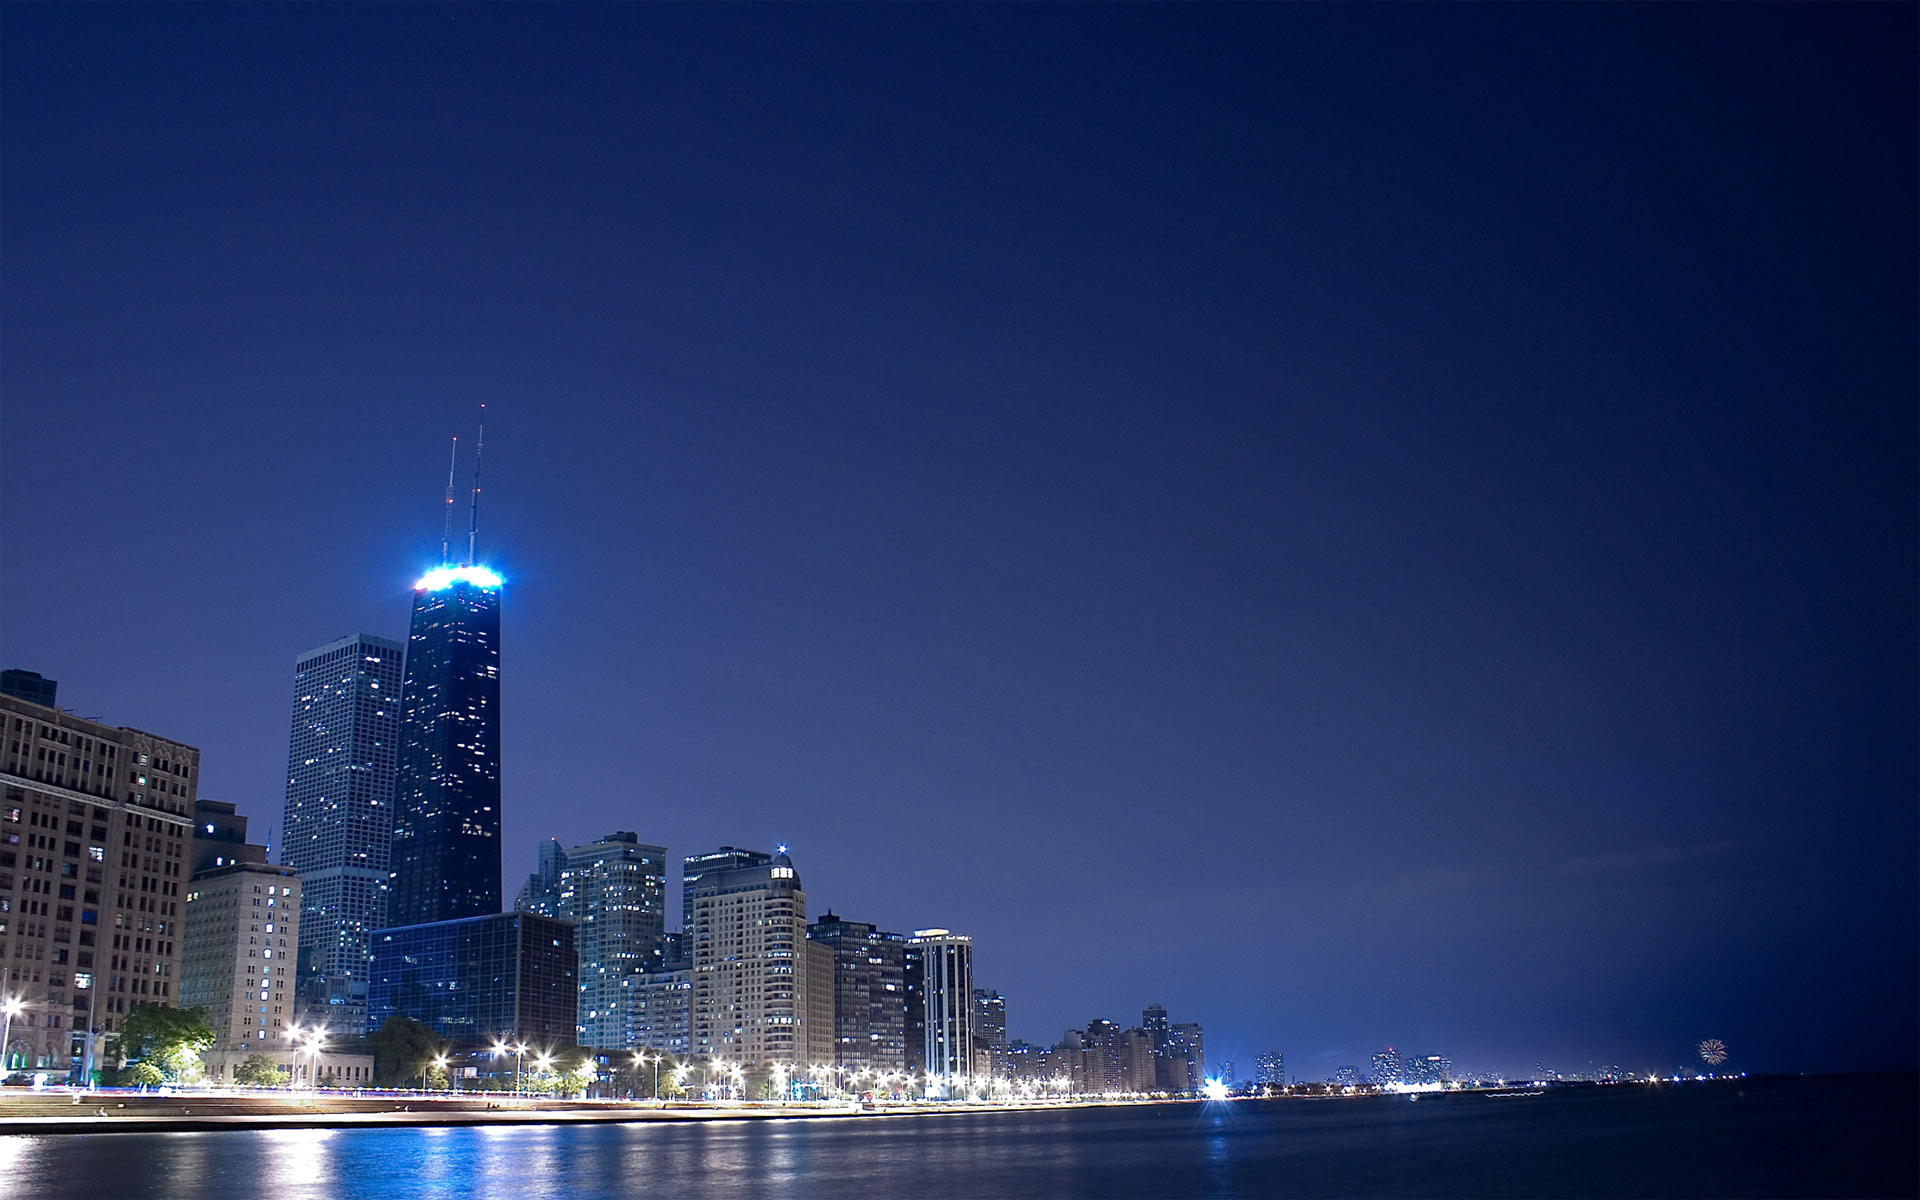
{"x": 134, "y": 1112}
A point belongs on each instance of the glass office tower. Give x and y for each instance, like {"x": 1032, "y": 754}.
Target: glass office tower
{"x": 446, "y": 824}
{"x": 337, "y": 828}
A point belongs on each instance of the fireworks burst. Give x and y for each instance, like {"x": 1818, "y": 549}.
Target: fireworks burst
{"x": 1714, "y": 1051}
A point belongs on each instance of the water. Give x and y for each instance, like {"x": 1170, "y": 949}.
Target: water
{"x": 1787, "y": 1137}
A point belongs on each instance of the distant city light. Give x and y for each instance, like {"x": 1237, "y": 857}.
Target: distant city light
{"x": 441, "y": 578}
{"x": 1216, "y": 1090}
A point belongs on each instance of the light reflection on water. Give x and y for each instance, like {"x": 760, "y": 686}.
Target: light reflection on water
{"x": 1797, "y": 1137}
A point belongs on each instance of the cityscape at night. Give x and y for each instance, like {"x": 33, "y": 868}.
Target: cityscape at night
{"x": 1119, "y": 570}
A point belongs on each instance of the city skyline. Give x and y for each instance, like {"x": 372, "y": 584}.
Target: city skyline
{"x": 1362, "y": 526}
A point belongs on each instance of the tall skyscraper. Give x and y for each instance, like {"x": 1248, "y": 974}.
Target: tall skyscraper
{"x": 869, "y": 994}
{"x": 613, "y": 891}
{"x": 446, "y": 823}
{"x": 939, "y": 976}
{"x": 1138, "y": 1070}
{"x": 1270, "y": 1070}
{"x": 337, "y": 829}
{"x": 989, "y": 1032}
{"x": 1386, "y": 1067}
{"x": 697, "y": 866}
{"x": 1426, "y": 1070}
{"x": 1188, "y": 1045}
{"x": 754, "y": 982}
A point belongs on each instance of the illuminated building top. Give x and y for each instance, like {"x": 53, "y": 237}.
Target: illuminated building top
{"x": 441, "y": 578}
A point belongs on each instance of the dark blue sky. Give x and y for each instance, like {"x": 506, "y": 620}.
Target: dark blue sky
{"x": 1363, "y": 525}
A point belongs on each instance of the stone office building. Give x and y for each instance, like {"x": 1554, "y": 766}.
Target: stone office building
{"x": 94, "y": 833}
{"x": 242, "y": 937}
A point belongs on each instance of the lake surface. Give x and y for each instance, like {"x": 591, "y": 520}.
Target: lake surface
{"x": 1850, "y": 1136}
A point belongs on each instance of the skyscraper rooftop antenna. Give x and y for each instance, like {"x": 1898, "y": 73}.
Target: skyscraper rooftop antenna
{"x": 446, "y": 532}
{"x": 473, "y": 523}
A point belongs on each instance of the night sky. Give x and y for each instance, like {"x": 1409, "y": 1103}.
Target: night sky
{"x": 1362, "y": 525}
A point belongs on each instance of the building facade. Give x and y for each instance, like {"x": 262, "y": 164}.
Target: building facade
{"x": 94, "y": 855}
{"x": 1426, "y": 1070}
{"x": 869, "y": 995}
{"x": 240, "y": 954}
{"x": 1386, "y": 1067}
{"x": 1270, "y": 1070}
{"x": 989, "y": 1033}
{"x": 939, "y": 979}
{"x": 506, "y": 976}
{"x": 696, "y": 867}
{"x": 613, "y": 892}
{"x": 337, "y": 826}
{"x": 445, "y": 856}
{"x": 1138, "y": 1071}
{"x": 752, "y": 975}
{"x": 1187, "y": 1053}
{"x": 662, "y": 1007}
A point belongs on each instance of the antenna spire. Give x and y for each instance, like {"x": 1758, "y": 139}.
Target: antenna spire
{"x": 446, "y": 532}
{"x": 473, "y": 525}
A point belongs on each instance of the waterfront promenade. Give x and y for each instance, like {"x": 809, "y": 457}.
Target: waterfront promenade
{"x": 94, "y": 1112}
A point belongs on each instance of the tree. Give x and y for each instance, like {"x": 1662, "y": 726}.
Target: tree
{"x": 143, "y": 1074}
{"x": 402, "y": 1049}
{"x": 577, "y": 1077}
{"x": 257, "y": 1070}
{"x": 168, "y": 1039}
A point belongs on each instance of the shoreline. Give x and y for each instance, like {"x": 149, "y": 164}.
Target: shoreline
{"x": 110, "y": 1113}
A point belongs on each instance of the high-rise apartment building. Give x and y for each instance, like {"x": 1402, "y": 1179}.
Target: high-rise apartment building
{"x": 662, "y": 1003}
{"x": 752, "y": 1002}
{"x": 1187, "y": 1046}
{"x": 1138, "y": 1071}
{"x": 869, "y": 995}
{"x": 94, "y": 859}
{"x": 1426, "y": 1070}
{"x": 1270, "y": 1070}
{"x": 242, "y": 938}
{"x": 445, "y": 859}
{"x": 337, "y": 828}
{"x": 695, "y": 867}
{"x": 939, "y": 978}
{"x": 989, "y": 1033}
{"x": 613, "y": 892}
{"x": 1386, "y": 1067}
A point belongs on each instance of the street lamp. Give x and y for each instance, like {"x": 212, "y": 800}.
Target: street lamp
{"x": 316, "y": 1040}
{"x": 519, "y": 1062}
{"x": 11, "y": 1007}
{"x": 440, "y": 1061}
{"x": 499, "y": 1048}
